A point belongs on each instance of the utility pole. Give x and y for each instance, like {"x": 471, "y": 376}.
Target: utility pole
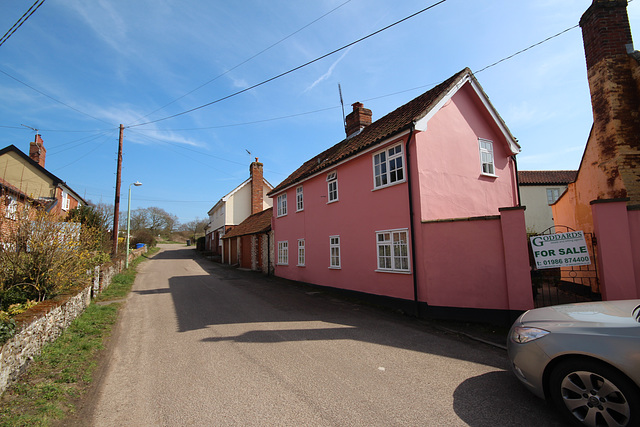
{"x": 116, "y": 209}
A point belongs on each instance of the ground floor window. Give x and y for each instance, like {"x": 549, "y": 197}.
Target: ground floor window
{"x": 283, "y": 253}
{"x": 301, "y": 254}
{"x": 393, "y": 250}
{"x": 334, "y": 252}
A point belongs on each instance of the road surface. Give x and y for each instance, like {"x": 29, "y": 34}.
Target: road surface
{"x": 203, "y": 344}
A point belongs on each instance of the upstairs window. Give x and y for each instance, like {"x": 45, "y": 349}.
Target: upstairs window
{"x": 299, "y": 199}
{"x": 282, "y": 204}
{"x": 65, "y": 201}
{"x": 552, "y": 195}
{"x": 388, "y": 166}
{"x": 332, "y": 186}
{"x": 486, "y": 157}
{"x": 334, "y": 252}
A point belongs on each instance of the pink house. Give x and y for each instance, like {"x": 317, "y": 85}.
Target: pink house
{"x": 419, "y": 208}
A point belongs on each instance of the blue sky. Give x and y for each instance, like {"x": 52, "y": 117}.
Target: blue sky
{"x": 76, "y": 70}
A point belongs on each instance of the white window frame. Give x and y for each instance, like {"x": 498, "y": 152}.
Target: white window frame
{"x": 283, "y": 252}
{"x": 301, "y": 253}
{"x": 487, "y": 159}
{"x": 385, "y": 166}
{"x": 392, "y": 251}
{"x": 12, "y": 208}
{"x": 299, "y": 199}
{"x": 332, "y": 187}
{"x": 553, "y": 194}
{"x": 334, "y": 252}
{"x": 282, "y": 204}
{"x": 65, "y": 201}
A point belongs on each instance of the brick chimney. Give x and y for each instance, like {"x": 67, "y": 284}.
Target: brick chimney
{"x": 615, "y": 97}
{"x": 357, "y": 120}
{"x": 257, "y": 187}
{"x": 37, "y": 152}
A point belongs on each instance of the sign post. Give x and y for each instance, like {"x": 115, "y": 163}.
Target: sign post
{"x": 560, "y": 250}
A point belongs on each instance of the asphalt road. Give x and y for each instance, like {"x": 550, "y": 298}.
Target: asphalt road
{"x": 203, "y": 344}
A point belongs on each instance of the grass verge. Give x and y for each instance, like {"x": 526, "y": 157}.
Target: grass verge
{"x": 62, "y": 373}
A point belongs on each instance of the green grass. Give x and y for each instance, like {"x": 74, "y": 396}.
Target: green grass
{"x": 62, "y": 373}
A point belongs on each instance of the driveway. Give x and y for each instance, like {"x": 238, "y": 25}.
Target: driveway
{"x": 199, "y": 343}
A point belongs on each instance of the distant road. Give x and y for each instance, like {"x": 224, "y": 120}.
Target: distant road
{"x": 205, "y": 345}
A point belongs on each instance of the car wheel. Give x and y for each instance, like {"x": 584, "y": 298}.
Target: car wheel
{"x": 590, "y": 393}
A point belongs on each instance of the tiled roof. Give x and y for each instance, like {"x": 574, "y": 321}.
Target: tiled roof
{"x": 256, "y": 223}
{"x": 546, "y": 177}
{"x": 394, "y": 122}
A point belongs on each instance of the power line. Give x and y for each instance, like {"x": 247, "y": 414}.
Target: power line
{"x": 21, "y": 21}
{"x": 293, "y": 69}
{"x": 526, "y": 49}
{"x": 249, "y": 59}
{"x": 364, "y": 100}
{"x": 52, "y": 98}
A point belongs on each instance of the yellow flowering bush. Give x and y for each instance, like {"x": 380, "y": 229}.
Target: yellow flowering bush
{"x": 42, "y": 256}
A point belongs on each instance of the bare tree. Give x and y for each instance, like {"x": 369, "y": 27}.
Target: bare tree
{"x": 196, "y": 228}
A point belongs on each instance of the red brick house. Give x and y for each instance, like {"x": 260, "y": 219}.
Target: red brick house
{"x": 249, "y": 245}
{"x": 604, "y": 199}
{"x": 24, "y": 179}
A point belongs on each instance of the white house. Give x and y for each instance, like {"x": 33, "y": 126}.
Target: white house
{"x": 246, "y": 199}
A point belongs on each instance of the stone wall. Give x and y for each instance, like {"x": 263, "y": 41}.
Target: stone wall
{"x": 46, "y": 321}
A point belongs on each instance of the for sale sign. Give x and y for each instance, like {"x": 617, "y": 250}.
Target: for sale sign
{"x": 560, "y": 250}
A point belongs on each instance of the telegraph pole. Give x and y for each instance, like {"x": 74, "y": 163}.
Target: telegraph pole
{"x": 116, "y": 209}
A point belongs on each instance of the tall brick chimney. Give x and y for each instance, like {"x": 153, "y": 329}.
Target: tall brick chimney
{"x": 615, "y": 97}
{"x": 37, "y": 152}
{"x": 257, "y": 187}
{"x": 358, "y": 119}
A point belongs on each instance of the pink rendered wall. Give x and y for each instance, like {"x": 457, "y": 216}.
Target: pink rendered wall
{"x": 634, "y": 231}
{"x": 355, "y": 217}
{"x": 479, "y": 263}
{"x": 615, "y": 250}
{"x": 448, "y": 160}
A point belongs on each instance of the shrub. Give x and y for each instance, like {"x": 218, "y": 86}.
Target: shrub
{"x": 142, "y": 236}
{"x": 7, "y": 327}
{"x": 42, "y": 256}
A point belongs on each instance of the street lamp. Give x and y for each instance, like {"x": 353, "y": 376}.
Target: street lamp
{"x": 137, "y": 184}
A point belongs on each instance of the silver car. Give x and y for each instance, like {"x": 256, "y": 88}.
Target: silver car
{"x": 584, "y": 358}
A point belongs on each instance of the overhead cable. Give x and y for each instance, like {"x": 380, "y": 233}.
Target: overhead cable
{"x": 291, "y": 70}
{"x": 248, "y": 59}
{"x": 21, "y": 21}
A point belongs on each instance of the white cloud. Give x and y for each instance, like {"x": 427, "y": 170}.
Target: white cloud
{"x": 329, "y": 72}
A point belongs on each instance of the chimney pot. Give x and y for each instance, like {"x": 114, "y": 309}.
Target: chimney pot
{"x": 257, "y": 187}
{"x": 357, "y": 120}
{"x": 37, "y": 152}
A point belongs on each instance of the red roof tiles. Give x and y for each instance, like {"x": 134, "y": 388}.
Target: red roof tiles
{"x": 546, "y": 177}
{"x": 394, "y": 122}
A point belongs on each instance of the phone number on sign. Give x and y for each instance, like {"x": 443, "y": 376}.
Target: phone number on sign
{"x": 565, "y": 261}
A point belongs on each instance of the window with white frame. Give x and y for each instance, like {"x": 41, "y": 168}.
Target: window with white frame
{"x": 332, "y": 186}
{"x": 65, "y": 201}
{"x": 282, "y": 204}
{"x": 334, "y": 252}
{"x": 301, "y": 254}
{"x": 12, "y": 208}
{"x": 388, "y": 166}
{"x": 299, "y": 199}
{"x": 393, "y": 250}
{"x": 283, "y": 253}
{"x": 552, "y": 195}
{"x": 486, "y": 157}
